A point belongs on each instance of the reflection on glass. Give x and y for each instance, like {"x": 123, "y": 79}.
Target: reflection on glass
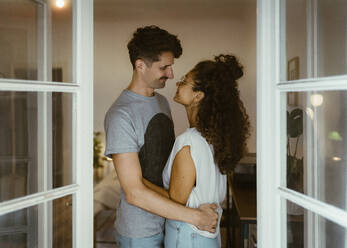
{"x": 296, "y": 37}
{"x": 62, "y": 138}
{"x": 22, "y": 143}
{"x": 303, "y": 228}
{"x": 18, "y": 144}
{"x": 62, "y": 222}
{"x": 329, "y": 35}
{"x": 21, "y": 228}
{"x": 62, "y": 40}
{"x": 332, "y": 35}
{"x": 19, "y": 42}
{"x": 317, "y": 145}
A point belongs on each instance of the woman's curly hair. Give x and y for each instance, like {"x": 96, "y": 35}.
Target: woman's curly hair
{"x": 222, "y": 117}
{"x": 150, "y": 41}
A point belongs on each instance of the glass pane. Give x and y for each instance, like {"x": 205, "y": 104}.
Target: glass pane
{"x": 62, "y": 105}
{"x": 24, "y": 228}
{"x": 62, "y": 40}
{"x": 19, "y": 39}
{"x": 18, "y": 144}
{"x": 328, "y": 33}
{"x": 332, "y": 38}
{"x": 62, "y": 222}
{"x": 317, "y": 145}
{"x": 19, "y": 229}
{"x": 24, "y": 146}
{"x": 296, "y": 38}
{"x": 306, "y": 229}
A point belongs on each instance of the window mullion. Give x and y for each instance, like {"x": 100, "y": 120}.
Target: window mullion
{"x": 325, "y": 210}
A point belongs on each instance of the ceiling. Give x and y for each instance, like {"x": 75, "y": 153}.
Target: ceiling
{"x": 121, "y": 9}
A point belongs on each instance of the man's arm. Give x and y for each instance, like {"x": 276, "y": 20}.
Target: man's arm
{"x": 156, "y": 188}
{"x": 128, "y": 169}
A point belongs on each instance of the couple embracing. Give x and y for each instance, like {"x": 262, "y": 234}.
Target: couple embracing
{"x": 168, "y": 186}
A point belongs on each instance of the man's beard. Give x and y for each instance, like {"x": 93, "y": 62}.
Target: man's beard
{"x": 160, "y": 83}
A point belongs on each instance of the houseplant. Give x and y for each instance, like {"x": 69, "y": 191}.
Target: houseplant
{"x": 99, "y": 158}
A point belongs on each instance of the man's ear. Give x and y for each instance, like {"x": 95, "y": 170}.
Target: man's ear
{"x": 140, "y": 65}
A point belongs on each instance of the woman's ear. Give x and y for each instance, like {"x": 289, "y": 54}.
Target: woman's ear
{"x": 199, "y": 96}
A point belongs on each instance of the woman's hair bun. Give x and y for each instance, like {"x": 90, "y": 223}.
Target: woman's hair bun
{"x": 231, "y": 64}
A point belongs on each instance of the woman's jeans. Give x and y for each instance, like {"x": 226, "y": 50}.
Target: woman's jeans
{"x": 181, "y": 235}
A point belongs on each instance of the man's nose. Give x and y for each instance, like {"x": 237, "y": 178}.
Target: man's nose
{"x": 170, "y": 73}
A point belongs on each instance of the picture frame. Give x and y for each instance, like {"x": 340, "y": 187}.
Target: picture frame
{"x": 293, "y": 69}
{"x": 293, "y": 74}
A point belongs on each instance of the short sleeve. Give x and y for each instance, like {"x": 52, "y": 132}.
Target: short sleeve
{"x": 120, "y": 134}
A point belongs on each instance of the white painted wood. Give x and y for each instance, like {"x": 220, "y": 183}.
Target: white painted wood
{"x": 309, "y": 145}
{"x": 314, "y": 221}
{"x": 283, "y": 166}
{"x": 44, "y": 86}
{"x": 49, "y": 170}
{"x": 83, "y": 207}
{"x": 268, "y": 127}
{"x": 327, "y": 211}
{"x": 38, "y": 198}
{"x": 319, "y": 84}
{"x": 42, "y": 162}
{"x": 82, "y": 188}
{"x": 32, "y": 162}
{"x": 270, "y": 213}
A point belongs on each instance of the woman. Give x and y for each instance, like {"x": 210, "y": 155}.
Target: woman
{"x": 208, "y": 149}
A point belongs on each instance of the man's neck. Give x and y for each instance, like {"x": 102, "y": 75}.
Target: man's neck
{"x": 139, "y": 87}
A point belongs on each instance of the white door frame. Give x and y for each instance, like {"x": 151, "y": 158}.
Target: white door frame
{"x": 272, "y": 193}
{"x": 82, "y": 186}
{"x": 83, "y": 61}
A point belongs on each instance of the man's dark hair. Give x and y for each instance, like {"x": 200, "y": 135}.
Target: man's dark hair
{"x": 149, "y": 42}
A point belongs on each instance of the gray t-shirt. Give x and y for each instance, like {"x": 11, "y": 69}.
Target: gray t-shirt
{"x": 136, "y": 123}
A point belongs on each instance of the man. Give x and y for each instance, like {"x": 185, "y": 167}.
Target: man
{"x": 139, "y": 138}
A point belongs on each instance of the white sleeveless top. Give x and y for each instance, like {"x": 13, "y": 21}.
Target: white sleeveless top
{"x": 210, "y": 183}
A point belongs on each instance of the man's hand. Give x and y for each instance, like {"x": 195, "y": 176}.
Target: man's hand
{"x": 208, "y": 217}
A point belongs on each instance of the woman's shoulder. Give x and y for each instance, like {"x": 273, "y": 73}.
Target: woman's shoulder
{"x": 191, "y": 136}
{"x": 184, "y": 138}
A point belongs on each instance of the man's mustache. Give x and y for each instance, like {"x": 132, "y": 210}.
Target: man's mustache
{"x": 164, "y": 78}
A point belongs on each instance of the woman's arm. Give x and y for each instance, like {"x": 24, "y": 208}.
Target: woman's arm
{"x": 183, "y": 176}
{"x": 156, "y": 188}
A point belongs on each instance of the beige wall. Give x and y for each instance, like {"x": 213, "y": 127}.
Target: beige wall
{"x": 203, "y": 33}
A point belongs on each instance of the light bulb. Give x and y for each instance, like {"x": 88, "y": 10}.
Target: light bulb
{"x": 316, "y": 100}
{"x": 336, "y": 159}
{"x": 60, "y": 3}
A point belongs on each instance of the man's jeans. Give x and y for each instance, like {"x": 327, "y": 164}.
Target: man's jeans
{"x": 155, "y": 241}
